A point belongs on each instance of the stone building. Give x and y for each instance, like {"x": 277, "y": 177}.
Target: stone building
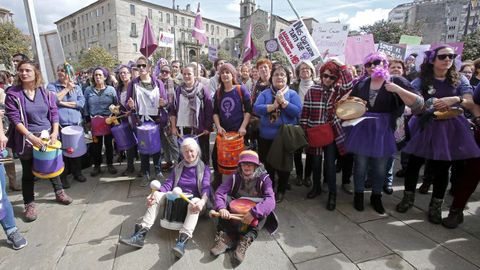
{"x": 441, "y": 20}
{"x": 117, "y": 26}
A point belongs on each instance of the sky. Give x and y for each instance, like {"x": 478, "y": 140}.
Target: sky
{"x": 354, "y": 12}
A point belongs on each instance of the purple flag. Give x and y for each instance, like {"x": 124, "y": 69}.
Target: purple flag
{"x": 250, "y": 49}
{"x": 149, "y": 42}
{"x": 198, "y": 30}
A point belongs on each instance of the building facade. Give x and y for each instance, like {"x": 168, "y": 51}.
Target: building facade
{"x": 6, "y": 16}
{"x": 117, "y": 26}
{"x": 440, "y": 20}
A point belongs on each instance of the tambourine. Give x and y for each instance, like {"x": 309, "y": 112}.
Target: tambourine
{"x": 450, "y": 113}
{"x": 350, "y": 108}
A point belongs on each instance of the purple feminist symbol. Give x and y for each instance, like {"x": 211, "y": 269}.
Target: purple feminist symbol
{"x": 227, "y": 106}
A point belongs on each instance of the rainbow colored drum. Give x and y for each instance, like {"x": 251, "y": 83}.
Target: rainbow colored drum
{"x": 48, "y": 164}
{"x": 148, "y": 135}
{"x": 124, "y": 136}
{"x": 74, "y": 137}
{"x": 99, "y": 126}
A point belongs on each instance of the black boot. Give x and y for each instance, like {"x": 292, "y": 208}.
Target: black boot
{"x": 358, "y": 201}
{"x": 332, "y": 201}
{"x": 435, "y": 211}
{"x": 64, "y": 180}
{"x": 455, "y": 217}
{"x": 316, "y": 190}
{"x": 376, "y": 202}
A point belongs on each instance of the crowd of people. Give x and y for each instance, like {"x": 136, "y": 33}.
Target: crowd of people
{"x": 431, "y": 116}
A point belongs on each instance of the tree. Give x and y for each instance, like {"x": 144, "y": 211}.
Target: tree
{"x": 471, "y": 46}
{"x": 12, "y": 41}
{"x": 97, "y": 56}
{"x": 390, "y": 32}
{"x": 281, "y": 58}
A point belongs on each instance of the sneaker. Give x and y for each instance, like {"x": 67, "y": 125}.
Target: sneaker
{"x": 30, "y": 212}
{"x": 111, "y": 169}
{"x": 62, "y": 197}
{"x": 179, "y": 249}
{"x": 137, "y": 239}
{"x": 16, "y": 240}
{"x": 95, "y": 171}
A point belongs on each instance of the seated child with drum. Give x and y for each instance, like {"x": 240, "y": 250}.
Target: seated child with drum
{"x": 193, "y": 177}
{"x": 245, "y": 203}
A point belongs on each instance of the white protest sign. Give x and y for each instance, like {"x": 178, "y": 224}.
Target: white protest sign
{"x": 212, "y": 53}
{"x": 165, "y": 40}
{"x": 331, "y": 37}
{"x": 297, "y": 43}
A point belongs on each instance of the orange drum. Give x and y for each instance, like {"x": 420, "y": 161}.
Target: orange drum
{"x": 351, "y": 108}
{"x": 229, "y": 148}
{"x": 241, "y": 206}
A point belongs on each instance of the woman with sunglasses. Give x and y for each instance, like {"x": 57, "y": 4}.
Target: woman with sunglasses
{"x": 192, "y": 112}
{"x": 276, "y": 106}
{"x": 31, "y": 109}
{"x": 372, "y": 140}
{"x": 147, "y": 98}
{"x": 98, "y": 99}
{"x": 70, "y": 102}
{"x": 124, "y": 77}
{"x": 318, "y": 109}
{"x": 444, "y": 142}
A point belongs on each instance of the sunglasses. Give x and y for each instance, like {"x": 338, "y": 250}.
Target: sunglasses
{"x": 374, "y": 63}
{"x": 141, "y": 65}
{"x": 165, "y": 71}
{"x": 326, "y": 76}
{"x": 444, "y": 56}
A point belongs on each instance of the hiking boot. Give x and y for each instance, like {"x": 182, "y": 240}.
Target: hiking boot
{"x": 95, "y": 171}
{"x": 332, "y": 201}
{"x": 16, "y": 240}
{"x": 222, "y": 243}
{"x": 435, "y": 211}
{"x": 62, "y": 197}
{"x": 242, "y": 247}
{"x": 406, "y": 202}
{"x": 455, "y": 217}
{"x": 138, "y": 238}
{"x": 179, "y": 249}
{"x": 376, "y": 202}
{"x": 111, "y": 169}
{"x": 30, "y": 212}
{"x": 358, "y": 201}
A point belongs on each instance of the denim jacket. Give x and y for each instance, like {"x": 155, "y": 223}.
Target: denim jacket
{"x": 98, "y": 103}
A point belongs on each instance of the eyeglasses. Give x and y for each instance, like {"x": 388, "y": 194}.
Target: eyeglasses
{"x": 374, "y": 63}
{"x": 141, "y": 65}
{"x": 165, "y": 71}
{"x": 444, "y": 56}
{"x": 326, "y": 76}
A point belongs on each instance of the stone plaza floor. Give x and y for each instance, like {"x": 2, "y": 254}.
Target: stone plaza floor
{"x": 85, "y": 234}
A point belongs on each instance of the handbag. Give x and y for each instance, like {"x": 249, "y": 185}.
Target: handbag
{"x": 320, "y": 135}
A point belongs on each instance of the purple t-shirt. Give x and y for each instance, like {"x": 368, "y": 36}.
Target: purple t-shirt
{"x": 37, "y": 113}
{"x": 230, "y": 109}
{"x": 188, "y": 181}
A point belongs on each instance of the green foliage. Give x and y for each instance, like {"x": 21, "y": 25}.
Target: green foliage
{"x": 228, "y": 57}
{"x": 471, "y": 45}
{"x": 390, "y": 32}
{"x": 12, "y": 41}
{"x": 97, "y": 56}
{"x": 281, "y": 58}
{"x": 161, "y": 52}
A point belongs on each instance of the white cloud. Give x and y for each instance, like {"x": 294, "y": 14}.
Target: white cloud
{"x": 233, "y": 6}
{"x": 342, "y": 17}
{"x": 367, "y": 17}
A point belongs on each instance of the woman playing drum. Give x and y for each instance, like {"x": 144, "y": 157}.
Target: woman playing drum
{"x": 31, "y": 109}
{"x": 193, "y": 177}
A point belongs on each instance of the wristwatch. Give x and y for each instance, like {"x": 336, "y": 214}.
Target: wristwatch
{"x": 461, "y": 99}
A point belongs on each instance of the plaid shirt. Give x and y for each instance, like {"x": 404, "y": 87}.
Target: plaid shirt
{"x": 319, "y": 108}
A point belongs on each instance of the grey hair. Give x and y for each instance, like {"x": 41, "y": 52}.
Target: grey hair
{"x": 191, "y": 142}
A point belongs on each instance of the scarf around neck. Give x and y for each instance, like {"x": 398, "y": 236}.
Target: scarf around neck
{"x": 194, "y": 101}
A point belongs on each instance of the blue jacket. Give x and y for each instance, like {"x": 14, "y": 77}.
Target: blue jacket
{"x": 98, "y": 104}
{"x": 289, "y": 115}
{"x": 69, "y": 116}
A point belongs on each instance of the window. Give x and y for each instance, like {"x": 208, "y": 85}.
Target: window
{"x": 161, "y": 16}
{"x": 168, "y": 17}
{"x": 103, "y": 10}
{"x": 103, "y": 24}
{"x": 212, "y": 29}
{"x": 172, "y": 30}
{"x": 109, "y": 24}
{"x": 97, "y": 12}
{"x": 92, "y": 31}
{"x": 132, "y": 10}
{"x": 189, "y": 23}
{"x": 160, "y": 29}
{"x": 206, "y": 27}
{"x": 183, "y": 36}
{"x": 226, "y": 32}
{"x": 218, "y": 41}
{"x": 218, "y": 30}
{"x": 451, "y": 36}
{"x": 244, "y": 11}
{"x": 175, "y": 19}
{"x": 451, "y": 28}
{"x": 150, "y": 13}
{"x": 86, "y": 17}
{"x": 212, "y": 41}
{"x": 133, "y": 30}
{"x": 108, "y": 7}
{"x": 98, "y": 28}
{"x": 135, "y": 49}
{"x": 453, "y": 19}
{"x": 68, "y": 38}
{"x": 183, "y": 21}
{"x": 109, "y": 46}
{"x": 227, "y": 46}
{"x": 88, "y": 31}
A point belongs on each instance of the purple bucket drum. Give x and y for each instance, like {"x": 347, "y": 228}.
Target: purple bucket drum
{"x": 148, "y": 135}
{"x": 124, "y": 136}
{"x": 48, "y": 164}
{"x": 73, "y": 137}
{"x": 99, "y": 126}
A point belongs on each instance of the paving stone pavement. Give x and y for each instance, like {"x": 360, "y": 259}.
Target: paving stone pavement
{"x": 85, "y": 235}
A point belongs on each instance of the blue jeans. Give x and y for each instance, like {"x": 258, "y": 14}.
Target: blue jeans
{"x": 145, "y": 163}
{"x": 8, "y": 222}
{"x": 389, "y": 171}
{"x": 361, "y": 166}
{"x": 329, "y": 174}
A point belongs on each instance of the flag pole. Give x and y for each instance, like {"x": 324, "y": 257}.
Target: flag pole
{"x": 198, "y": 59}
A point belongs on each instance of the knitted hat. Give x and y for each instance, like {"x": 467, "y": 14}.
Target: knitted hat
{"x": 249, "y": 156}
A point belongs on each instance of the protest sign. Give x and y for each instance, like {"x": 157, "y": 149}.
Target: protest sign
{"x": 331, "y": 37}
{"x": 166, "y": 40}
{"x": 394, "y": 51}
{"x": 410, "y": 40}
{"x": 212, "y": 53}
{"x": 357, "y": 48}
{"x": 297, "y": 43}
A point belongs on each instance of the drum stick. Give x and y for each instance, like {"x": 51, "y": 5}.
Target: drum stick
{"x": 214, "y": 213}
{"x": 178, "y": 191}
{"x": 154, "y": 186}
{"x": 6, "y": 160}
